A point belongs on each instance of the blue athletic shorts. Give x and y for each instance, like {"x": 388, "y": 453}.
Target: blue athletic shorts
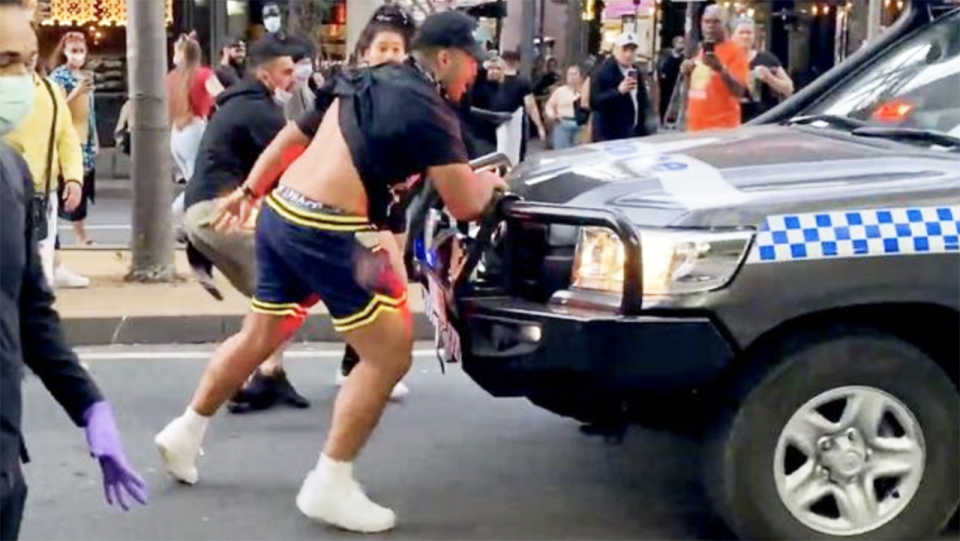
{"x": 307, "y": 252}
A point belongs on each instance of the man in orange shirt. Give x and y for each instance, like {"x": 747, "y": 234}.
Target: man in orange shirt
{"x": 717, "y": 77}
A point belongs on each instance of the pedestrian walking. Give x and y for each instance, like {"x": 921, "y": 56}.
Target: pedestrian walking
{"x": 29, "y": 324}
{"x": 561, "y": 109}
{"x": 314, "y": 242}
{"x": 192, "y": 89}
{"x": 618, "y": 95}
{"x": 249, "y": 115}
{"x": 384, "y": 40}
{"x": 717, "y": 77}
{"x": 49, "y": 143}
{"x": 68, "y": 62}
{"x": 768, "y": 82}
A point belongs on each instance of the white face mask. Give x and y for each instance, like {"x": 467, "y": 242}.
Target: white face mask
{"x": 272, "y": 24}
{"x": 76, "y": 60}
{"x": 282, "y": 97}
{"x": 302, "y": 72}
{"x": 16, "y": 101}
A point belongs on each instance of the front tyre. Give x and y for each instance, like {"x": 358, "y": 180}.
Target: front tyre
{"x": 847, "y": 434}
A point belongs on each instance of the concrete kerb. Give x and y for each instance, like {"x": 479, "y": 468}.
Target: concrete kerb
{"x": 126, "y": 330}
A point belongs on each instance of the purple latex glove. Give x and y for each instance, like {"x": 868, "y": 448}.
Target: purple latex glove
{"x": 106, "y": 446}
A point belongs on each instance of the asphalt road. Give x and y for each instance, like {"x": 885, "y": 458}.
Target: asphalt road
{"x": 454, "y": 463}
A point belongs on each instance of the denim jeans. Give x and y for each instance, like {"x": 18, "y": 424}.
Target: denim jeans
{"x": 565, "y": 134}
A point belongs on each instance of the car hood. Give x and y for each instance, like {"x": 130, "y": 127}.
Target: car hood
{"x": 736, "y": 178}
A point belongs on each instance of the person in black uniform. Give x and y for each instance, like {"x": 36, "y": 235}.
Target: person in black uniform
{"x": 28, "y": 322}
{"x": 317, "y": 238}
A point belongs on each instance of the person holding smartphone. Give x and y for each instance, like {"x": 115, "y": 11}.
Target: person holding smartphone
{"x": 618, "y": 95}
{"x": 717, "y": 76}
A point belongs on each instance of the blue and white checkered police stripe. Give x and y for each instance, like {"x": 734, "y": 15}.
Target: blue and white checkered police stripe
{"x": 857, "y": 233}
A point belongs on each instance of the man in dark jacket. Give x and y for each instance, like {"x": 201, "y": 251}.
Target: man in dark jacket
{"x": 29, "y": 326}
{"x": 618, "y": 95}
{"x": 249, "y": 115}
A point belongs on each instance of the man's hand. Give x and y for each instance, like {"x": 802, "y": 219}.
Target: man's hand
{"x": 627, "y": 85}
{"x": 687, "y": 67}
{"x": 764, "y": 74}
{"x": 542, "y": 132}
{"x": 72, "y": 195}
{"x": 233, "y": 211}
{"x": 495, "y": 180}
{"x": 712, "y": 61}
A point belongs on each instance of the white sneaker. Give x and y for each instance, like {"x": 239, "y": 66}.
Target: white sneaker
{"x": 399, "y": 391}
{"x": 179, "y": 450}
{"x": 343, "y": 504}
{"x": 66, "y": 278}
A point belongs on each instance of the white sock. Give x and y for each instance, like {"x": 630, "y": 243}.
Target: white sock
{"x": 197, "y": 424}
{"x": 334, "y": 469}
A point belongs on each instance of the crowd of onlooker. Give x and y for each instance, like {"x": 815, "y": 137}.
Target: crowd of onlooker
{"x": 724, "y": 82}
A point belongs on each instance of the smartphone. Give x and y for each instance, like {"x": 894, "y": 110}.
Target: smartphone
{"x": 632, "y": 73}
{"x": 709, "y": 46}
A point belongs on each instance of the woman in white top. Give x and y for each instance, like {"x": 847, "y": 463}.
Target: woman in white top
{"x": 561, "y": 109}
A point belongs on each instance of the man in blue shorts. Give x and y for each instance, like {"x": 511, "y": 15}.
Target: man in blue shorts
{"x": 315, "y": 242}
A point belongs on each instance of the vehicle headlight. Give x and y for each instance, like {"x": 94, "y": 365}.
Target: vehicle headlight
{"x": 675, "y": 262}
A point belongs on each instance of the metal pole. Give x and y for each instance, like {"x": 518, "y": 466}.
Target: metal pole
{"x": 152, "y": 241}
{"x": 874, "y": 18}
{"x": 529, "y": 20}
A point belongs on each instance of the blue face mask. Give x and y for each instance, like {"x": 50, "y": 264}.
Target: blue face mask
{"x": 16, "y": 101}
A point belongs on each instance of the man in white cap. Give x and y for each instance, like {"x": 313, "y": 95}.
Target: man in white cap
{"x": 618, "y": 94}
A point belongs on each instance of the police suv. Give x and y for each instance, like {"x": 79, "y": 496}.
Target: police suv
{"x": 797, "y": 279}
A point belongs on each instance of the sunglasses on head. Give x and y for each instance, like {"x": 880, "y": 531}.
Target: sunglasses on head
{"x": 394, "y": 18}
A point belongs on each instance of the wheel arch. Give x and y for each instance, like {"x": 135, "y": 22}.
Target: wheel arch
{"x": 933, "y": 328}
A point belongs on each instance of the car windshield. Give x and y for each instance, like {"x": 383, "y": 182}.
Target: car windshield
{"x": 915, "y": 85}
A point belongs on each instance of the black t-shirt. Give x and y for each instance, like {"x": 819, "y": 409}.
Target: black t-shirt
{"x": 508, "y": 95}
{"x": 668, "y": 72}
{"x": 396, "y": 124}
{"x": 761, "y": 98}
{"x": 229, "y": 75}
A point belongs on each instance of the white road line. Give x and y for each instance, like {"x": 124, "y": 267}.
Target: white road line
{"x": 199, "y": 355}
{"x": 99, "y": 227}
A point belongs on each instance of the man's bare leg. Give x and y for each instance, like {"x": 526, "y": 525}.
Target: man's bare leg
{"x": 235, "y": 359}
{"x": 330, "y": 492}
{"x": 392, "y": 244}
{"x": 274, "y": 363}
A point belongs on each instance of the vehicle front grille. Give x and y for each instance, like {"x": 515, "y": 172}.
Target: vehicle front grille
{"x": 537, "y": 268}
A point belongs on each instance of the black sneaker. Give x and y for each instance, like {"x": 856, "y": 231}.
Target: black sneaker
{"x": 264, "y": 392}
{"x": 288, "y": 395}
{"x": 260, "y": 393}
